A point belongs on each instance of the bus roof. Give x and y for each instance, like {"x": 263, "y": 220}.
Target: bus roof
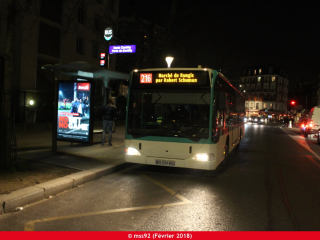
{"x": 172, "y": 69}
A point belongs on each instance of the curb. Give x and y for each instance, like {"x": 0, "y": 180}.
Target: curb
{"x": 16, "y": 200}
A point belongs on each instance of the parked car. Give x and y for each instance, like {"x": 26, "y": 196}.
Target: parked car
{"x": 313, "y": 122}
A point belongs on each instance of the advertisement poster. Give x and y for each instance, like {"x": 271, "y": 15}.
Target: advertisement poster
{"x": 74, "y": 111}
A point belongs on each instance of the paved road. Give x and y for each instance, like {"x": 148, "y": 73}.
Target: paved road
{"x": 272, "y": 184}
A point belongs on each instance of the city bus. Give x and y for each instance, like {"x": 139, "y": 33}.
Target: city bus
{"x": 182, "y": 117}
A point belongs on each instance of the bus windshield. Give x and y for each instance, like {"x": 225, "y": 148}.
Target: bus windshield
{"x": 160, "y": 113}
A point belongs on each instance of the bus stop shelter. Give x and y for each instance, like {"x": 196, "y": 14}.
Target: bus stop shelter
{"x": 82, "y": 71}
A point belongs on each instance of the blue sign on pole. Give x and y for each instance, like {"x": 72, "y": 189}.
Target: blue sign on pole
{"x": 122, "y": 49}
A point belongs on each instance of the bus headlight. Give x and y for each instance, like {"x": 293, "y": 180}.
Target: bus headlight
{"x": 204, "y": 157}
{"x": 132, "y": 151}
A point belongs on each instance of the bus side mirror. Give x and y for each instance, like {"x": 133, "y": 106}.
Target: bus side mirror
{"x": 222, "y": 101}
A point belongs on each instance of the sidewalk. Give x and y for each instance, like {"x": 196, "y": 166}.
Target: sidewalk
{"x": 92, "y": 161}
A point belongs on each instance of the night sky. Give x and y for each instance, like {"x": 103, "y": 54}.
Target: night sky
{"x": 233, "y": 35}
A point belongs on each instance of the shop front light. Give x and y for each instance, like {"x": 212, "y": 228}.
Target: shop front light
{"x": 204, "y": 157}
{"x": 132, "y": 151}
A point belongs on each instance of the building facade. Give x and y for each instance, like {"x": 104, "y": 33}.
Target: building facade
{"x": 54, "y": 32}
{"x": 266, "y": 91}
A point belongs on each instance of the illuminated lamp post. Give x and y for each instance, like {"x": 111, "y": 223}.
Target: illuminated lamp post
{"x": 169, "y": 61}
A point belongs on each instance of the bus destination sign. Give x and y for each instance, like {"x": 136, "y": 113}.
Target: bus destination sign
{"x": 175, "y": 78}
{"x": 168, "y": 78}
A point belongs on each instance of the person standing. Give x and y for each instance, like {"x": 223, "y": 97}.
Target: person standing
{"x": 109, "y": 113}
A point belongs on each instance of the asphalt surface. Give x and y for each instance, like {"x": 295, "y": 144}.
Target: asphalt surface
{"x": 93, "y": 161}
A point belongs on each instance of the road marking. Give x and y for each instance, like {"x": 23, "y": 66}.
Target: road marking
{"x": 303, "y": 143}
{"x": 29, "y": 226}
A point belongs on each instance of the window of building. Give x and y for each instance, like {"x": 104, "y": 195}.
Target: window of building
{"x": 273, "y": 79}
{"x": 252, "y": 96}
{"x": 255, "y": 72}
{"x": 252, "y": 80}
{"x": 252, "y": 88}
{"x": 52, "y": 10}
{"x": 258, "y": 96}
{"x": 247, "y": 80}
{"x": 251, "y": 105}
{"x": 266, "y": 79}
{"x": 97, "y": 24}
{"x": 248, "y": 87}
{"x": 271, "y": 105}
{"x": 49, "y": 40}
{"x": 260, "y": 71}
{"x": 272, "y": 87}
{"x": 80, "y": 45}
{"x": 95, "y": 50}
{"x": 259, "y": 79}
{"x": 81, "y": 15}
{"x": 266, "y": 87}
{"x": 247, "y": 105}
{"x": 258, "y": 88}
{"x": 265, "y": 97}
{"x": 257, "y": 105}
{"x": 272, "y": 97}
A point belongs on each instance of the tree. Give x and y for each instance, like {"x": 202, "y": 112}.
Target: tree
{"x": 12, "y": 13}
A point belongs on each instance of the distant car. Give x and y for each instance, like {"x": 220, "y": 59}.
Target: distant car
{"x": 303, "y": 125}
{"x": 261, "y": 120}
{"x": 254, "y": 120}
{"x": 313, "y": 123}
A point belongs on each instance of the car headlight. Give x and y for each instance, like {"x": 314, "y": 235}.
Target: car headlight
{"x": 132, "y": 151}
{"x": 204, "y": 157}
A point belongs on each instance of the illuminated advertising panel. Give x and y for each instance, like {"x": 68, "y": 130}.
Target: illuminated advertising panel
{"x": 74, "y": 111}
{"x": 173, "y": 78}
{"x": 122, "y": 49}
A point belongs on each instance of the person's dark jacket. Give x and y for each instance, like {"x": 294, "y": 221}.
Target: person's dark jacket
{"x": 109, "y": 112}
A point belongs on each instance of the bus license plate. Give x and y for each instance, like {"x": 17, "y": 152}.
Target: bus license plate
{"x": 165, "y": 163}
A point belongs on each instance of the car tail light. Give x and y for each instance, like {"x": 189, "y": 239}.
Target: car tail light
{"x": 311, "y": 125}
{"x": 302, "y": 125}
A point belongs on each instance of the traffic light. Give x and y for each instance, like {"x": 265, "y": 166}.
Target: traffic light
{"x": 293, "y": 102}
{"x": 102, "y": 59}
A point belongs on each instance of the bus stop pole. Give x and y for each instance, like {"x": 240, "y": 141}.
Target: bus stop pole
{"x": 55, "y": 117}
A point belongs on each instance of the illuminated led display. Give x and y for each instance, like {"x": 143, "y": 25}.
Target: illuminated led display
{"x": 146, "y": 78}
{"x": 174, "y": 78}
{"x": 73, "y": 123}
{"x": 122, "y": 49}
{"x": 167, "y": 78}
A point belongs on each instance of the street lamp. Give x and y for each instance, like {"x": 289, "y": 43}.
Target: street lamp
{"x": 169, "y": 61}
